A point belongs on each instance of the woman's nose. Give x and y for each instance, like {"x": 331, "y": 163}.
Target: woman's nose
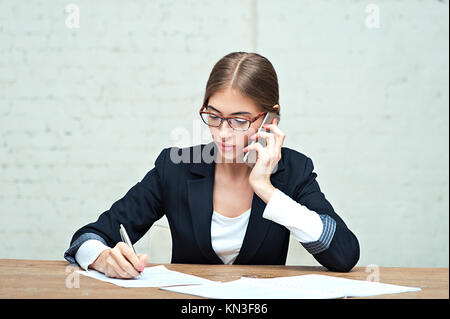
{"x": 225, "y": 130}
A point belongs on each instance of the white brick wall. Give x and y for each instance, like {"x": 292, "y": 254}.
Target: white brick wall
{"x": 85, "y": 112}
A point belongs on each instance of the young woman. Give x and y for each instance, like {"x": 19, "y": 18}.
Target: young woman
{"x": 219, "y": 209}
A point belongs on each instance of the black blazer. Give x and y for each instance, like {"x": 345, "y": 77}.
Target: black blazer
{"x": 184, "y": 193}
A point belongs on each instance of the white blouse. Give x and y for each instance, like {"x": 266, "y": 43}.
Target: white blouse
{"x": 227, "y": 234}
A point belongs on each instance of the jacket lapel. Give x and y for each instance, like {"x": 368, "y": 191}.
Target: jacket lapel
{"x": 257, "y": 225}
{"x": 200, "y": 199}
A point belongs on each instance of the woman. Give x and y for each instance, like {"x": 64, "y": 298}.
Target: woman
{"x": 220, "y": 209}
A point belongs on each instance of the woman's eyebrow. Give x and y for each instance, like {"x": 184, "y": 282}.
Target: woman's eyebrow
{"x": 235, "y": 113}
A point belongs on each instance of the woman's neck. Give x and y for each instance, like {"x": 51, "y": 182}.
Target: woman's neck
{"x": 233, "y": 171}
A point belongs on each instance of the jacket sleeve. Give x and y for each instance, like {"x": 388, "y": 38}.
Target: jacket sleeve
{"x": 337, "y": 248}
{"x": 137, "y": 210}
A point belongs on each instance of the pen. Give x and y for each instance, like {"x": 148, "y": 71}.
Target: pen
{"x": 126, "y": 238}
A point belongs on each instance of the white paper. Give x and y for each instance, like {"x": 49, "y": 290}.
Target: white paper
{"x": 157, "y": 276}
{"x": 240, "y": 289}
{"x": 295, "y": 287}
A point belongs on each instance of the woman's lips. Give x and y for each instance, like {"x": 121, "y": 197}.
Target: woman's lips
{"x": 226, "y": 147}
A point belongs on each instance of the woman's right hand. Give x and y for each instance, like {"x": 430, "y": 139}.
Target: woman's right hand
{"x": 120, "y": 262}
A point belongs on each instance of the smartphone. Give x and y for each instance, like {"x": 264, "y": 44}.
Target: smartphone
{"x": 251, "y": 156}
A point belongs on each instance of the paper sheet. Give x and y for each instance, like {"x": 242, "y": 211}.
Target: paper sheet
{"x": 157, "y": 276}
{"x": 240, "y": 289}
{"x": 295, "y": 287}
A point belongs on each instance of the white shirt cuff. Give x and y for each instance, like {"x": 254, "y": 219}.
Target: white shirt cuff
{"x": 88, "y": 252}
{"x": 305, "y": 225}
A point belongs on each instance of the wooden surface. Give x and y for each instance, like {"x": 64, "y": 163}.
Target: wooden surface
{"x": 51, "y": 279}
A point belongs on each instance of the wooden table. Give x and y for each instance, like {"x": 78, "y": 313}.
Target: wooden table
{"x": 39, "y": 279}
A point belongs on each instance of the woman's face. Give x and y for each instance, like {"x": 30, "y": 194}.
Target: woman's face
{"x": 225, "y": 103}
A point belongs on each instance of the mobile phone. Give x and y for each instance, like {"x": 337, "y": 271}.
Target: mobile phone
{"x": 251, "y": 156}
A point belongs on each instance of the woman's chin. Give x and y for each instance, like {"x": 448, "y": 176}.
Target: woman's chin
{"x": 231, "y": 156}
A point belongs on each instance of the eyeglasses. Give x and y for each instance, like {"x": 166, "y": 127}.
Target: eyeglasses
{"x": 236, "y": 123}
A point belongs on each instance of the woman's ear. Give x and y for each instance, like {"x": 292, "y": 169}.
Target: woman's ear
{"x": 276, "y": 107}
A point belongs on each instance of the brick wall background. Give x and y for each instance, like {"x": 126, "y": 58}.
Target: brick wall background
{"x": 84, "y": 112}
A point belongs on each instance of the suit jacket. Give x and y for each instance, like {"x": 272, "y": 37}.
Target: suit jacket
{"x": 183, "y": 191}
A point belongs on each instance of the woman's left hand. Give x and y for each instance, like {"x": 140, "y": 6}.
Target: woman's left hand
{"x": 268, "y": 156}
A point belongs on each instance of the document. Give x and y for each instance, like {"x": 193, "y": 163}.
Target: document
{"x": 246, "y": 289}
{"x": 157, "y": 276}
{"x": 296, "y": 287}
